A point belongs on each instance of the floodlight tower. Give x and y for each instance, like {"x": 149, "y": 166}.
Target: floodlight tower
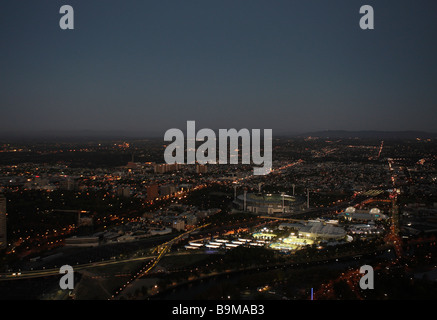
{"x": 283, "y": 202}
{"x": 308, "y": 198}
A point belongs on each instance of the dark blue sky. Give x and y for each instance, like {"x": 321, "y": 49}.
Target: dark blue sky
{"x": 149, "y": 66}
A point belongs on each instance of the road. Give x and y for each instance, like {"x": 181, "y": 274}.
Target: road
{"x": 55, "y": 271}
{"x": 160, "y": 250}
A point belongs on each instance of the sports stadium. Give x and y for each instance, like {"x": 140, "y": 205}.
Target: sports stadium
{"x": 268, "y": 203}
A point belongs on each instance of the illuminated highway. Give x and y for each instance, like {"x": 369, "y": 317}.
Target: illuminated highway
{"x": 55, "y": 271}
{"x": 160, "y": 249}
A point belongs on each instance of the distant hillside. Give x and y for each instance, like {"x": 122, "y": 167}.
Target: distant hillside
{"x": 343, "y": 134}
{"x": 84, "y": 135}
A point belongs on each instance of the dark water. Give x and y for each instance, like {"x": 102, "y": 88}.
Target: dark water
{"x": 198, "y": 288}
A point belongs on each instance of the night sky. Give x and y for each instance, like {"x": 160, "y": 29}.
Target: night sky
{"x": 148, "y": 66}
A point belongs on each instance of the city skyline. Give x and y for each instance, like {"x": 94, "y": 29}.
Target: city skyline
{"x": 118, "y": 216}
{"x": 293, "y": 67}
{"x": 233, "y": 153}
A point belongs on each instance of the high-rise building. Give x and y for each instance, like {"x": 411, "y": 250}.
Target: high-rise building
{"x": 179, "y": 225}
{"x": 165, "y": 167}
{"x": 152, "y": 192}
{"x": 124, "y": 192}
{"x": 68, "y": 184}
{"x": 201, "y": 168}
{"x": 3, "y": 243}
{"x": 167, "y": 189}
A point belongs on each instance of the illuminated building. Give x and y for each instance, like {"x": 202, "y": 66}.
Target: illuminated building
{"x": 362, "y": 215}
{"x": 321, "y": 231}
{"x": 165, "y": 167}
{"x": 309, "y": 233}
{"x": 167, "y": 189}
{"x": 152, "y": 192}
{"x": 3, "y": 242}
{"x": 179, "y": 225}
{"x": 201, "y": 168}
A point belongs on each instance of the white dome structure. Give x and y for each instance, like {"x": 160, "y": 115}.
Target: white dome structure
{"x": 365, "y": 215}
{"x": 350, "y": 210}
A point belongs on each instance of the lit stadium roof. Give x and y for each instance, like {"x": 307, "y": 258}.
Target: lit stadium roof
{"x": 266, "y": 198}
